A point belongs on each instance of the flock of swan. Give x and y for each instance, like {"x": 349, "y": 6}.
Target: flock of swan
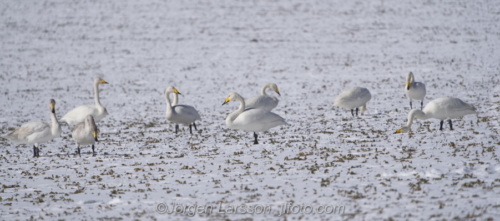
{"x": 253, "y": 115}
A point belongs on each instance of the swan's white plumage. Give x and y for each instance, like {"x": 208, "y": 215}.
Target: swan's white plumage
{"x": 353, "y": 98}
{"x": 442, "y": 109}
{"x": 78, "y": 114}
{"x": 264, "y": 101}
{"x": 251, "y": 119}
{"x": 179, "y": 114}
{"x": 414, "y": 90}
{"x": 37, "y": 132}
{"x": 85, "y": 133}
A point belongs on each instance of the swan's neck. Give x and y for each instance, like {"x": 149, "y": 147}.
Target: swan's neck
{"x": 232, "y": 116}
{"x": 96, "y": 95}
{"x": 167, "y": 99}
{"x": 416, "y": 113}
{"x": 263, "y": 89}
{"x": 55, "y": 128}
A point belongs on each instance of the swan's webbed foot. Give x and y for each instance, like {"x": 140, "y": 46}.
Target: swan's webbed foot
{"x": 255, "y": 140}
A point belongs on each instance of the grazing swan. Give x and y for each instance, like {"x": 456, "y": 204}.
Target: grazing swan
{"x": 441, "y": 108}
{"x": 264, "y": 101}
{"x": 79, "y": 114}
{"x": 180, "y": 114}
{"x": 85, "y": 133}
{"x": 251, "y": 119}
{"x": 353, "y": 98}
{"x": 414, "y": 90}
{"x": 37, "y": 132}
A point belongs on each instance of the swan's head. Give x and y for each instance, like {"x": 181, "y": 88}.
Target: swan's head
{"x": 171, "y": 89}
{"x": 52, "y": 105}
{"x": 403, "y": 129}
{"x": 100, "y": 81}
{"x": 231, "y": 97}
{"x": 409, "y": 80}
{"x": 93, "y": 128}
{"x": 362, "y": 109}
{"x": 274, "y": 87}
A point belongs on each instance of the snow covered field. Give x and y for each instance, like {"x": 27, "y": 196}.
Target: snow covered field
{"x": 312, "y": 50}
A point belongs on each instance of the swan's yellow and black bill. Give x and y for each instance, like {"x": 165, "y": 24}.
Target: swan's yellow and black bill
{"x": 103, "y": 82}
{"x": 95, "y": 135}
{"x": 408, "y": 85}
{"x": 278, "y": 92}
{"x": 398, "y": 131}
{"x": 176, "y": 91}
{"x": 226, "y": 100}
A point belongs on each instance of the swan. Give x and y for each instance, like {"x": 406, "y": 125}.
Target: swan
{"x": 79, "y": 114}
{"x": 353, "y": 98}
{"x": 264, "y": 101}
{"x": 37, "y": 132}
{"x": 251, "y": 119}
{"x": 85, "y": 133}
{"x": 441, "y": 108}
{"x": 414, "y": 90}
{"x": 180, "y": 114}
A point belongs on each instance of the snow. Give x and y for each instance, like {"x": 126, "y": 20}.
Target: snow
{"x": 206, "y": 49}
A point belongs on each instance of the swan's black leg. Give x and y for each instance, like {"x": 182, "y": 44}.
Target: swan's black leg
{"x": 255, "y": 136}
{"x": 78, "y": 151}
{"x": 451, "y": 125}
{"x": 422, "y": 104}
{"x": 441, "y": 125}
{"x": 357, "y": 109}
{"x": 34, "y": 151}
{"x": 194, "y": 124}
{"x": 411, "y": 106}
{"x": 176, "y": 128}
{"x": 93, "y": 149}
{"x": 190, "y": 130}
{"x": 352, "y": 112}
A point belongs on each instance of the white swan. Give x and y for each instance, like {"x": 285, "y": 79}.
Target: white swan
{"x": 441, "y": 108}
{"x": 414, "y": 90}
{"x": 180, "y": 114}
{"x": 251, "y": 119}
{"x": 85, "y": 133}
{"x": 37, "y": 132}
{"x": 79, "y": 114}
{"x": 264, "y": 101}
{"x": 353, "y": 98}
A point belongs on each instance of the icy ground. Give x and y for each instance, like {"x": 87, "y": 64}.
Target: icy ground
{"x": 207, "y": 49}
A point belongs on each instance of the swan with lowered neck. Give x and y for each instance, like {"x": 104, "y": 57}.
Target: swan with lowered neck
{"x": 264, "y": 101}
{"x": 251, "y": 119}
{"x": 178, "y": 113}
{"x": 442, "y": 109}
{"x": 37, "y": 132}
{"x": 414, "y": 90}
{"x": 79, "y": 114}
{"x": 85, "y": 133}
{"x": 353, "y": 98}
